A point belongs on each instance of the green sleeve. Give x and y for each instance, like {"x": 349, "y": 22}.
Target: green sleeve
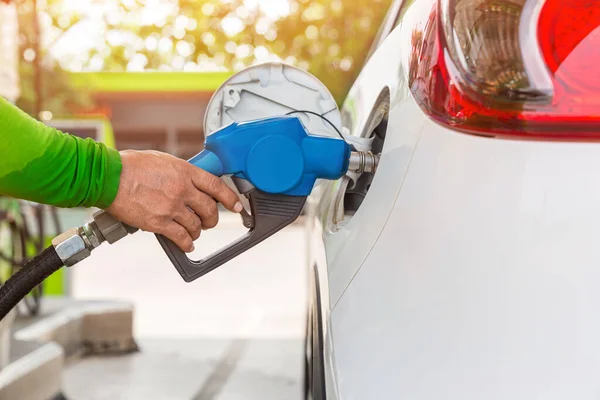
{"x": 44, "y": 165}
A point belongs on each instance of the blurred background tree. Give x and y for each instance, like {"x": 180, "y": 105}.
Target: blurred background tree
{"x": 55, "y": 89}
{"x": 330, "y": 38}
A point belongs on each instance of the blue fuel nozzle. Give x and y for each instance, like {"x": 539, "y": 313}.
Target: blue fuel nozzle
{"x": 282, "y": 162}
{"x": 276, "y": 155}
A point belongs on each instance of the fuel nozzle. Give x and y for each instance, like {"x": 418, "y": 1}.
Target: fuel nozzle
{"x": 363, "y": 162}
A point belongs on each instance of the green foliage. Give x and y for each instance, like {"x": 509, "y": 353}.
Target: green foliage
{"x": 330, "y": 38}
{"x": 57, "y": 94}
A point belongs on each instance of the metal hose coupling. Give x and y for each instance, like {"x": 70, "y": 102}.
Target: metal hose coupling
{"x": 363, "y": 161}
{"x": 77, "y": 244}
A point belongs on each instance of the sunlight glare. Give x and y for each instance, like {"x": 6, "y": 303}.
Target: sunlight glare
{"x": 232, "y": 25}
{"x": 273, "y": 9}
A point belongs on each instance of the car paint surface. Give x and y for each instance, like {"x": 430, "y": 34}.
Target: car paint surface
{"x": 471, "y": 269}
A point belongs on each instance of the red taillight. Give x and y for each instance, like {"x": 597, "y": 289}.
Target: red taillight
{"x": 511, "y": 68}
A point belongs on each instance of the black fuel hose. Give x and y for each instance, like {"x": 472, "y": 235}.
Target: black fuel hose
{"x": 27, "y": 278}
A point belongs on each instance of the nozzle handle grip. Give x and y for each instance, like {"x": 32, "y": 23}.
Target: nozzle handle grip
{"x": 271, "y": 213}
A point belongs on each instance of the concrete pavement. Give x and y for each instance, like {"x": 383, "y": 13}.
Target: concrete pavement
{"x": 234, "y": 334}
{"x": 188, "y": 369}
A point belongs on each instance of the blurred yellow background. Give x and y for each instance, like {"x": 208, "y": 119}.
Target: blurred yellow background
{"x": 330, "y": 38}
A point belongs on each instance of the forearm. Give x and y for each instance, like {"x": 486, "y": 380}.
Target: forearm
{"x": 44, "y": 165}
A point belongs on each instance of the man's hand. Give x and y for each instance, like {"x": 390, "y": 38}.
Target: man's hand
{"x": 164, "y": 194}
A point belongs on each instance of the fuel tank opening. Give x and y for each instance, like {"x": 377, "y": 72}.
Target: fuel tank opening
{"x": 355, "y": 194}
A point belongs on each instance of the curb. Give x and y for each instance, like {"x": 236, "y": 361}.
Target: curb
{"x": 34, "y": 375}
{"x": 77, "y": 329}
{"x": 86, "y": 328}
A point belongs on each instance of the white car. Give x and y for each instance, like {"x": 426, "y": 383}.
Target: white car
{"x": 468, "y": 266}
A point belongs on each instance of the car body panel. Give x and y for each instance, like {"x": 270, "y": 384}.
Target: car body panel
{"x": 362, "y": 229}
{"x": 329, "y": 238}
{"x": 470, "y": 270}
{"x": 484, "y": 281}
{"x": 348, "y": 246}
{"x": 317, "y": 259}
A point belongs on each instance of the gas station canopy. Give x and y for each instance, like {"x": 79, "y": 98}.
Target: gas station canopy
{"x": 199, "y": 83}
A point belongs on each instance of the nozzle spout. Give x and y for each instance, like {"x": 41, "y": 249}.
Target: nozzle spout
{"x": 363, "y": 161}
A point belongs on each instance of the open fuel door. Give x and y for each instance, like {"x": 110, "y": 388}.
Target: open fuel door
{"x": 270, "y": 90}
